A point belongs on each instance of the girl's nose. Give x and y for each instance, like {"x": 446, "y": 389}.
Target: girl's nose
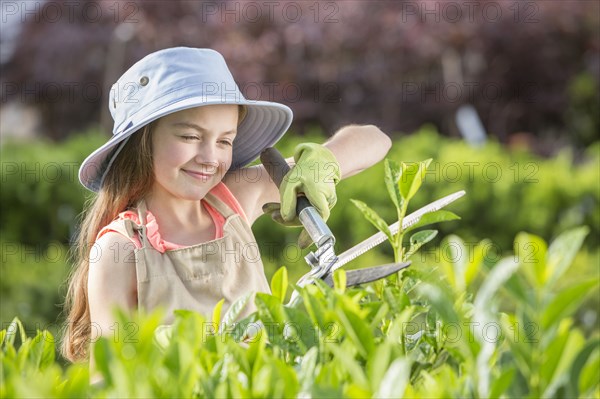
{"x": 207, "y": 154}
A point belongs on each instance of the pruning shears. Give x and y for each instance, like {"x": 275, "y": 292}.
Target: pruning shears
{"x": 324, "y": 261}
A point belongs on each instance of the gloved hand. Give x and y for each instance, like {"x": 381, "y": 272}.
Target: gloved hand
{"x": 315, "y": 175}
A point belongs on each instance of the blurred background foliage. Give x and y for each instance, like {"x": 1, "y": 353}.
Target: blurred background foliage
{"x": 530, "y": 69}
{"x": 508, "y": 191}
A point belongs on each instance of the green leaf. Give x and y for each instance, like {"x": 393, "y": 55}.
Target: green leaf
{"x": 23, "y": 352}
{"x": 235, "y": 310}
{"x": 419, "y": 239}
{"x": 412, "y": 177}
{"x": 357, "y": 330}
{"x": 353, "y": 390}
{"x": 518, "y": 340}
{"x": 422, "y": 237}
{"x": 49, "y": 350}
{"x": 453, "y": 261}
{"x": 566, "y": 302}
{"x": 78, "y": 382}
{"x": 439, "y": 300}
{"x": 279, "y": 283}
{"x": 308, "y": 371}
{"x": 378, "y": 363}
{"x": 313, "y": 307}
{"x": 216, "y": 315}
{"x": 495, "y": 279}
{"x": 562, "y": 251}
{"x": 392, "y": 177}
{"x": 103, "y": 358}
{"x": 559, "y": 356}
{"x": 531, "y": 252}
{"x": 256, "y": 348}
{"x": 373, "y": 217}
{"x": 302, "y": 328}
{"x": 339, "y": 281}
{"x": 270, "y": 309}
{"x": 11, "y": 332}
{"x": 474, "y": 264}
{"x": 383, "y": 310}
{"x": 588, "y": 379}
{"x": 433, "y": 217}
{"x": 348, "y": 363}
{"x": 502, "y": 383}
{"x": 395, "y": 380}
{"x": 458, "y": 256}
{"x": 396, "y": 298}
{"x": 163, "y": 335}
{"x": 583, "y": 360}
{"x": 41, "y": 350}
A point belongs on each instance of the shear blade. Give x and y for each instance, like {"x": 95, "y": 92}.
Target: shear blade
{"x": 367, "y": 275}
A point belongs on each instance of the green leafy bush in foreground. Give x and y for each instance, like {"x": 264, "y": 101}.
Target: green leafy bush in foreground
{"x": 508, "y": 191}
{"x": 468, "y": 327}
{"x": 434, "y": 335}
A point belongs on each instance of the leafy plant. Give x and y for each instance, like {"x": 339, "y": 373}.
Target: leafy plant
{"x": 542, "y": 196}
{"x": 469, "y": 325}
{"x": 468, "y": 331}
{"x": 402, "y": 183}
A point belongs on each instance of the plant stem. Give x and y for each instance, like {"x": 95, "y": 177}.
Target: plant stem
{"x": 398, "y": 250}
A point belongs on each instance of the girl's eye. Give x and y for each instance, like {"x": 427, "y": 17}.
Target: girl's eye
{"x": 226, "y": 142}
{"x": 189, "y": 138}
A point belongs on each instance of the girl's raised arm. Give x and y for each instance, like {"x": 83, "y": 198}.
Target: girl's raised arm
{"x": 355, "y": 148}
{"x": 358, "y": 147}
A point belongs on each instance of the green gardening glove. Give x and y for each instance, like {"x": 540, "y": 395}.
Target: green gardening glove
{"x": 315, "y": 175}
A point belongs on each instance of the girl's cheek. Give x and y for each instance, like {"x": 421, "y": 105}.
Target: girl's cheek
{"x": 174, "y": 152}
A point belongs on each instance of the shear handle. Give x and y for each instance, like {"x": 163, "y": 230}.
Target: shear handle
{"x": 277, "y": 167}
{"x": 314, "y": 224}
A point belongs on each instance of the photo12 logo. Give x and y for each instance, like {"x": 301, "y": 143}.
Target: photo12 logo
{"x": 70, "y": 11}
{"x": 269, "y": 11}
{"x": 469, "y": 11}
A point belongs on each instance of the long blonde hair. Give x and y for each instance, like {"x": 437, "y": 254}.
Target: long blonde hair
{"x": 127, "y": 181}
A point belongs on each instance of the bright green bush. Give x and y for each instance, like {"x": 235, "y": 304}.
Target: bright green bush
{"x": 468, "y": 330}
{"x": 41, "y": 196}
{"x": 33, "y": 286}
{"x": 41, "y": 199}
{"x": 508, "y": 191}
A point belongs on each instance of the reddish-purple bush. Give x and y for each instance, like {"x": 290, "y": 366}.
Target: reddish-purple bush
{"x": 526, "y": 66}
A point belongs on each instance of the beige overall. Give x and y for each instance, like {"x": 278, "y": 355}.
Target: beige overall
{"x": 199, "y": 276}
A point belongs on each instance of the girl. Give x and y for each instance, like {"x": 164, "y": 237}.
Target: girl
{"x": 170, "y": 226}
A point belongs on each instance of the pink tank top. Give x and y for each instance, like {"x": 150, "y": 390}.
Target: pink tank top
{"x": 152, "y": 230}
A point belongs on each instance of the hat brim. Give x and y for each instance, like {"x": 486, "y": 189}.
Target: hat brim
{"x": 264, "y": 124}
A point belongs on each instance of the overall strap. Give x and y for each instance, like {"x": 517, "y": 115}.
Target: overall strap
{"x": 141, "y": 208}
{"x": 219, "y": 205}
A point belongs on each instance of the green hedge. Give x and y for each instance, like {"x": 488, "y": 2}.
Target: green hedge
{"x": 507, "y": 192}
{"x": 470, "y": 330}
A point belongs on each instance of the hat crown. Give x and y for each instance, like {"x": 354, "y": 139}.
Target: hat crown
{"x": 172, "y": 80}
{"x": 170, "y": 75}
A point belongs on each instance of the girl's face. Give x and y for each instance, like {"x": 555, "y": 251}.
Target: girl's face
{"x": 192, "y": 150}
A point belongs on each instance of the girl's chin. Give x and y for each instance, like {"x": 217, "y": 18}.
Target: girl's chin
{"x": 186, "y": 192}
{"x": 195, "y": 194}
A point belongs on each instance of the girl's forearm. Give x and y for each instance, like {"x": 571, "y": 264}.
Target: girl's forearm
{"x": 358, "y": 147}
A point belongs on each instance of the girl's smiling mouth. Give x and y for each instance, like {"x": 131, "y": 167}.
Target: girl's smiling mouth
{"x": 198, "y": 175}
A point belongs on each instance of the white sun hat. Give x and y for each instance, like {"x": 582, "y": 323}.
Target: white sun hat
{"x": 175, "y": 79}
